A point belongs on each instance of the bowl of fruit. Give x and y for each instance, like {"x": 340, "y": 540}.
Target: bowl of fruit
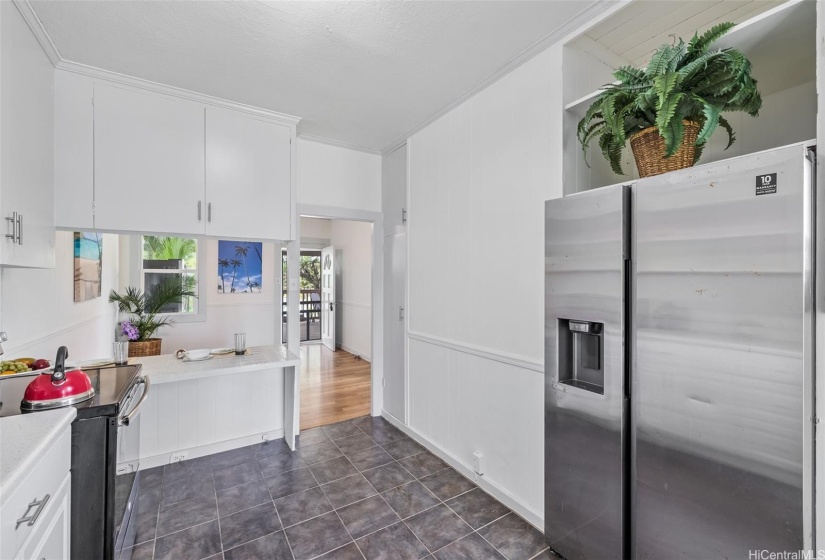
{"x": 22, "y": 366}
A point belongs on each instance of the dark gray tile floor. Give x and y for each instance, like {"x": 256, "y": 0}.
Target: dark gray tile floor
{"x": 356, "y": 490}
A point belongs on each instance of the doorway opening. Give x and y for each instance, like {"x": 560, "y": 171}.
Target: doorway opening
{"x": 310, "y": 297}
{"x": 336, "y": 320}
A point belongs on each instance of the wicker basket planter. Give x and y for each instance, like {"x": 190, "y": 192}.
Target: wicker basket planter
{"x": 649, "y": 150}
{"x": 149, "y": 347}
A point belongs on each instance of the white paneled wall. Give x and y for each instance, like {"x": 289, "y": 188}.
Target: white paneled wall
{"x": 204, "y": 416}
{"x": 478, "y": 180}
{"x": 353, "y": 285}
{"x": 465, "y": 403}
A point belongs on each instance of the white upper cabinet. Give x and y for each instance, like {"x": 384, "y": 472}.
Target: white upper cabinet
{"x": 139, "y": 161}
{"x": 26, "y": 146}
{"x": 148, "y": 162}
{"x": 74, "y": 170}
{"x": 394, "y": 191}
{"x": 248, "y": 171}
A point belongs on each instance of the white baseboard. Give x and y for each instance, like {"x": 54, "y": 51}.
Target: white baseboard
{"x": 354, "y": 352}
{"x": 488, "y": 485}
{"x": 203, "y": 450}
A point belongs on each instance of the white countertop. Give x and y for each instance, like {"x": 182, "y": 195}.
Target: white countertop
{"x": 167, "y": 368}
{"x": 25, "y": 438}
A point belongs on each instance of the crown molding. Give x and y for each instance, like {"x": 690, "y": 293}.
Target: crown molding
{"x": 338, "y": 143}
{"x": 38, "y": 30}
{"x": 124, "y": 79}
{"x": 563, "y": 33}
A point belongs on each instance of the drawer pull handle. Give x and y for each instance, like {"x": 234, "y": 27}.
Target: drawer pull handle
{"x": 32, "y": 519}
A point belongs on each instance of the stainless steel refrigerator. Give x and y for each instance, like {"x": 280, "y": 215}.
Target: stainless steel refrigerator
{"x": 679, "y": 363}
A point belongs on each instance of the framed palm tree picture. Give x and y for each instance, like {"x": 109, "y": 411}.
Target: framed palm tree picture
{"x": 239, "y": 267}
{"x": 88, "y": 265}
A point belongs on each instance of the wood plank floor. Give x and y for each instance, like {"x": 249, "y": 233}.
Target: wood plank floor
{"x": 335, "y": 386}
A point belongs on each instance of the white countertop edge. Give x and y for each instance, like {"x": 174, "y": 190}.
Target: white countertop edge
{"x": 25, "y": 439}
{"x": 167, "y": 369}
{"x": 167, "y": 377}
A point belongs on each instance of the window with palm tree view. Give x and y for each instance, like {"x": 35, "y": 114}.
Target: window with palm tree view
{"x": 171, "y": 259}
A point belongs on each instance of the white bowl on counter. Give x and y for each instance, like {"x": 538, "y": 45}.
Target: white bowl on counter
{"x": 199, "y": 354}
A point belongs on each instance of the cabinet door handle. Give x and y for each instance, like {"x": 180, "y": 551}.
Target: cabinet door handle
{"x": 209, "y": 212}
{"x": 199, "y": 210}
{"x": 20, "y": 229}
{"x": 400, "y": 313}
{"x": 403, "y": 215}
{"x": 13, "y": 234}
{"x": 32, "y": 519}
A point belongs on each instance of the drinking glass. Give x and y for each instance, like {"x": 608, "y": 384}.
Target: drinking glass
{"x": 121, "y": 351}
{"x": 240, "y": 343}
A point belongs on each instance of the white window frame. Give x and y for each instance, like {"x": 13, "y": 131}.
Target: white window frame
{"x": 136, "y": 276}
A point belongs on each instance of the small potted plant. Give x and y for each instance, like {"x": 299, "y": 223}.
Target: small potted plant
{"x": 669, "y": 110}
{"x": 143, "y": 310}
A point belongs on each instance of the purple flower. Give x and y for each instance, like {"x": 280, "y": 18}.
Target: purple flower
{"x": 129, "y": 330}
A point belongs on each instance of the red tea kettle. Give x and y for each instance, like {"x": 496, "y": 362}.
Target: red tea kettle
{"x": 59, "y": 388}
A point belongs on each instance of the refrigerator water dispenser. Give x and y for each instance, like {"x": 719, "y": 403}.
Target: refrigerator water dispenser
{"x": 581, "y": 362}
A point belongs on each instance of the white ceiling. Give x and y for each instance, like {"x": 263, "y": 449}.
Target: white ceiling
{"x": 363, "y": 73}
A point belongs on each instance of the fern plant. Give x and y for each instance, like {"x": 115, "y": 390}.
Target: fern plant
{"x": 143, "y": 308}
{"x": 682, "y": 82}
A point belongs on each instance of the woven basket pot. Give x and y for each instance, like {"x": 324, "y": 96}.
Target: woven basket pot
{"x": 149, "y": 347}
{"x": 649, "y": 150}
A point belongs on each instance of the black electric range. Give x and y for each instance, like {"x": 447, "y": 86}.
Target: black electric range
{"x": 104, "y": 504}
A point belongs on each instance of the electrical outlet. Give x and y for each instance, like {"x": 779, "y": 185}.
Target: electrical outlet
{"x": 478, "y": 462}
{"x": 177, "y": 458}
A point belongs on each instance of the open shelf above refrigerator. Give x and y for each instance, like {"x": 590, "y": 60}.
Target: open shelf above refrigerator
{"x": 779, "y": 38}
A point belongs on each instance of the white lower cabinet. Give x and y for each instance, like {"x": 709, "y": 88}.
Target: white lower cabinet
{"x": 35, "y": 512}
{"x": 50, "y": 538}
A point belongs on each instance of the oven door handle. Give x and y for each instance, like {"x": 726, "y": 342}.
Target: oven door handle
{"x": 124, "y": 420}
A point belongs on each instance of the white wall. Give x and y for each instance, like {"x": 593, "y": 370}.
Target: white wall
{"x": 39, "y": 313}
{"x": 315, "y": 233}
{"x": 338, "y": 177}
{"x": 315, "y": 228}
{"x": 478, "y": 179}
{"x": 256, "y": 314}
{"x": 353, "y": 286}
{"x": 820, "y": 280}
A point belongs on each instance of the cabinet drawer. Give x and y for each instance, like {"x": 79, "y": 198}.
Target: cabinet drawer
{"x": 44, "y": 478}
{"x": 49, "y": 539}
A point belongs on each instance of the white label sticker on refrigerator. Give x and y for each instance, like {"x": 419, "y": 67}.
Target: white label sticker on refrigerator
{"x": 766, "y": 184}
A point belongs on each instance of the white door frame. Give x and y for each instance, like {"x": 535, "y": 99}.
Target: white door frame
{"x": 377, "y": 221}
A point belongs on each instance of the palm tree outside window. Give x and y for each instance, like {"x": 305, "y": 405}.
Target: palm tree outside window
{"x": 171, "y": 257}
